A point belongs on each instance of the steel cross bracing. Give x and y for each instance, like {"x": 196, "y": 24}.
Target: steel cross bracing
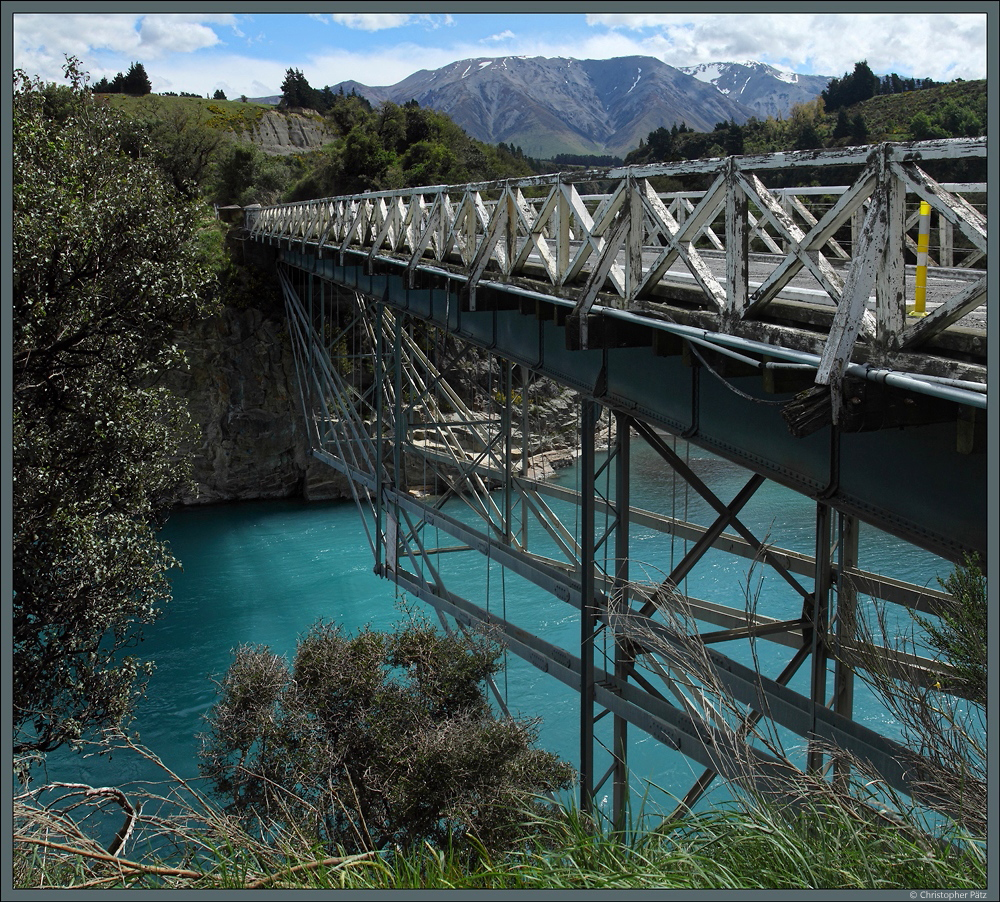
{"x": 440, "y": 440}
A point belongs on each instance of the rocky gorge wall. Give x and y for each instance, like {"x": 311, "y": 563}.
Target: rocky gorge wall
{"x": 241, "y": 389}
{"x": 286, "y": 132}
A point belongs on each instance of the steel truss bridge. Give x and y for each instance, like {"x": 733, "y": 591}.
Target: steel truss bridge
{"x": 438, "y": 330}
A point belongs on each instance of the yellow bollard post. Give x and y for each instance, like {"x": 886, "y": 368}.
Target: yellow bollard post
{"x": 923, "y": 244}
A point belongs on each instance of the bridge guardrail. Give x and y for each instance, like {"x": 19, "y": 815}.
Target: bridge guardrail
{"x": 616, "y": 249}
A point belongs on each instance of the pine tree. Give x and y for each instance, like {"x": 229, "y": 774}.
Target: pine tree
{"x": 136, "y": 81}
{"x": 296, "y": 90}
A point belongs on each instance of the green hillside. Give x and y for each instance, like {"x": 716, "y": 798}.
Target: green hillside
{"x": 953, "y": 110}
{"x": 208, "y": 148}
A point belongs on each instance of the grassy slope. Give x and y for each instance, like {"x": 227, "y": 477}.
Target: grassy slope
{"x": 888, "y": 118}
{"x": 228, "y": 115}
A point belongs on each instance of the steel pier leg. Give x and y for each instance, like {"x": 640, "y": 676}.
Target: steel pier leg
{"x": 847, "y": 600}
{"x": 622, "y": 659}
{"x": 588, "y": 620}
{"x": 819, "y": 620}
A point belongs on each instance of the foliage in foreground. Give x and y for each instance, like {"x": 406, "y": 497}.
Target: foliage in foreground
{"x": 943, "y": 723}
{"x": 106, "y": 266}
{"x": 374, "y": 742}
{"x": 961, "y": 634}
{"x": 750, "y": 846}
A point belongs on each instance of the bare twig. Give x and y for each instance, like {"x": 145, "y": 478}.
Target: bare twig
{"x": 311, "y": 866}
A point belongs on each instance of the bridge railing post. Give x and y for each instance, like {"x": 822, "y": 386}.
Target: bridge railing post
{"x": 890, "y": 282}
{"x": 737, "y": 246}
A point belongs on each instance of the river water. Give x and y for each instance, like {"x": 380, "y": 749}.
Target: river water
{"x": 263, "y": 573}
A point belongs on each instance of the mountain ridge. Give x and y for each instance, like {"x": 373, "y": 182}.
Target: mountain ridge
{"x": 766, "y": 90}
{"x": 548, "y": 105}
{"x": 552, "y": 105}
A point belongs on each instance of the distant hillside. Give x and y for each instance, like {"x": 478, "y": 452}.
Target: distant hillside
{"x": 955, "y": 110}
{"x": 274, "y": 131}
{"x": 889, "y": 117}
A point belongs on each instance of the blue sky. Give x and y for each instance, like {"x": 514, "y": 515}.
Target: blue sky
{"x": 249, "y": 52}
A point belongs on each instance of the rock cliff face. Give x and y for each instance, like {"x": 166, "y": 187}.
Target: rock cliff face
{"x": 241, "y": 389}
{"x": 290, "y": 132}
{"x": 250, "y": 441}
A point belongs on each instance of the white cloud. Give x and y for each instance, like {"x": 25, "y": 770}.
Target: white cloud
{"x": 376, "y": 68}
{"x": 234, "y": 73}
{"x": 372, "y": 21}
{"x": 383, "y": 21}
{"x": 160, "y": 35}
{"x": 938, "y": 45}
{"x": 496, "y": 38}
{"x": 107, "y": 43}
{"x": 76, "y": 34}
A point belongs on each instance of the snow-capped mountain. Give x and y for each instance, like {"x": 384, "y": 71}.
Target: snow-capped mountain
{"x": 550, "y": 106}
{"x": 762, "y": 89}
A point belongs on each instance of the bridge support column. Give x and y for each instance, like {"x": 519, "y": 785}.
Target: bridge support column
{"x": 623, "y": 659}
{"x": 846, "y": 624}
{"x": 588, "y": 618}
{"x": 818, "y": 620}
{"x": 380, "y": 474}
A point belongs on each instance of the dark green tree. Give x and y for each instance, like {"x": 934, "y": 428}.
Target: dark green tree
{"x": 961, "y": 633}
{"x": 296, "y": 91}
{"x": 348, "y": 110}
{"x": 182, "y": 142}
{"x": 104, "y": 268}
{"x": 854, "y": 87}
{"x": 136, "y": 82}
{"x": 219, "y": 94}
{"x": 376, "y": 741}
{"x": 244, "y": 174}
{"x": 959, "y": 121}
{"x": 859, "y": 129}
{"x": 843, "y": 127}
{"x": 808, "y": 138}
{"x": 924, "y": 128}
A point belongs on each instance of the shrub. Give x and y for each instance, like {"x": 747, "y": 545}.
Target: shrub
{"x": 375, "y": 742}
